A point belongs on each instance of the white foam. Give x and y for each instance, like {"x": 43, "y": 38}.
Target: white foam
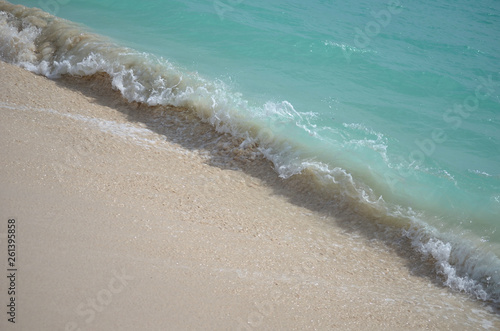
{"x": 17, "y": 43}
{"x": 54, "y": 47}
{"x": 479, "y": 172}
{"x": 463, "y": 266}
{"x": 346, "y": 47}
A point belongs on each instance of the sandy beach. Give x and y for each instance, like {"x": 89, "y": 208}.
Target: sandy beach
{"x": 137, "y": 218}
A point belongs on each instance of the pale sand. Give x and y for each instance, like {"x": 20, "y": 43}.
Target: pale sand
{"x": 162, "y": 234}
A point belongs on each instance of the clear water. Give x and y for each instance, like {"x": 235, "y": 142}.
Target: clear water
{"x": 396, "y": 102}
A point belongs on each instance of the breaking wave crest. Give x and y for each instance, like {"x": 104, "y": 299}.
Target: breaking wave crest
{"x": 50, "y": 46}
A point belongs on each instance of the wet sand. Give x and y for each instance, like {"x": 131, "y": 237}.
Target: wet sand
{"x": 131, "y": 217}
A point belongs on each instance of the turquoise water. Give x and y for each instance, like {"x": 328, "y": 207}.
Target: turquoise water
{"x": 395, "y": 105}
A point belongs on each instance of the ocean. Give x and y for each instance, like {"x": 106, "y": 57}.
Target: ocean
{"x": 392, "y": 106}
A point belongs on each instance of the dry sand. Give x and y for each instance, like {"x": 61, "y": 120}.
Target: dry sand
{"x": 130, "y": 219}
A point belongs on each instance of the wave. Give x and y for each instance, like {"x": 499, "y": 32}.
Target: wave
{"x": 50, "y": 46}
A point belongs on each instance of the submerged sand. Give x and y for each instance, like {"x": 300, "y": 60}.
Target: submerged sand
{"x": 137, "y": 218}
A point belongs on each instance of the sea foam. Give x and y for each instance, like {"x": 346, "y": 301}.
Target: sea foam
{"x": 50, "y": 46}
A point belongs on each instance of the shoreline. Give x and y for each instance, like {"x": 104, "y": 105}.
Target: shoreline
{"x": 33, "y": 41}
{"x": 107, "y": 192}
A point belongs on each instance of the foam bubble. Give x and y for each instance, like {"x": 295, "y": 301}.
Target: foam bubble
{"x": 53, "y": 47}
{"x": 462, "y": 264}
{"x": 17, "y": 40}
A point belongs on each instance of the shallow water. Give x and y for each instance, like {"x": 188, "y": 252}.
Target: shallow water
{"x": 394, "y": 106}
